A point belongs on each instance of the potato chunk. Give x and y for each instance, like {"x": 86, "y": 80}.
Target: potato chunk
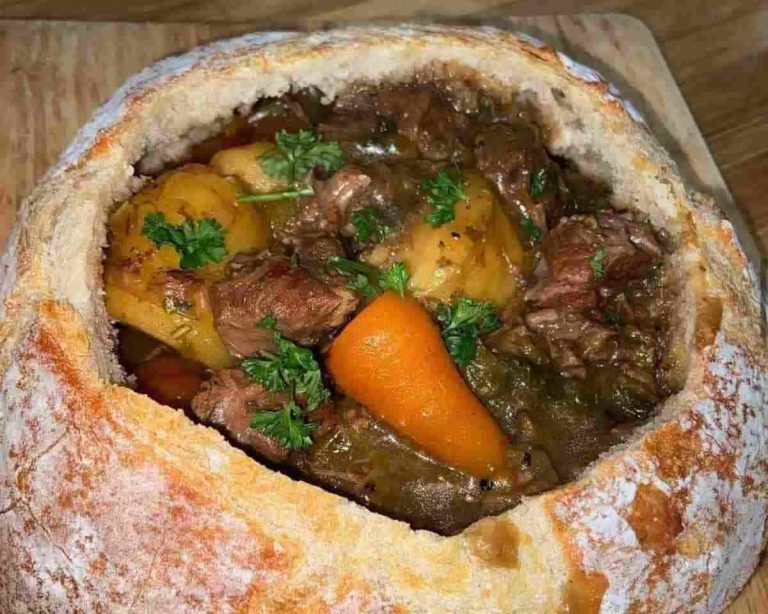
{"x": 478, "y": 255}
{"x": 243, "y": 163}
{"x": 143, "y": 285}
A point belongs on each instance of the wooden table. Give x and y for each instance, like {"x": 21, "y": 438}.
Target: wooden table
{"x": 733, "y": 115}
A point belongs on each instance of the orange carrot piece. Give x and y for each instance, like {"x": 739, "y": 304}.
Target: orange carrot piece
{"x": 391, "y": 358}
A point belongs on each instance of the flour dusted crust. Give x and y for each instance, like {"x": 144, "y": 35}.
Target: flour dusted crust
{"x": 110, "y": 502}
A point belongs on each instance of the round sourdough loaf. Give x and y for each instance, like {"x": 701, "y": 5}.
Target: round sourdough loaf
{"x": 110, "y": 502}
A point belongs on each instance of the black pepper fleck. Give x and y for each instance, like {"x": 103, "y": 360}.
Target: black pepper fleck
{"x": 527, "y": 460}
{"x": 487, "y": 485}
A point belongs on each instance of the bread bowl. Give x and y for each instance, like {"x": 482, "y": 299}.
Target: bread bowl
{"x": 52, "y": 232}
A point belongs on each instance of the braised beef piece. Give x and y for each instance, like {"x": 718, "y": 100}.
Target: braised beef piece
{"x": 585, "y": 252}
{"x": 422, "y": 117}
{"x": 509, "y": 155}
{"x": 229, "y": 400}
{"x": 306, "y": 304}
{"x": 390, "y": 188}
{"x": 314, "y": 250}
{"x": 334, "y": 196}
{"x": 573, "y": 340}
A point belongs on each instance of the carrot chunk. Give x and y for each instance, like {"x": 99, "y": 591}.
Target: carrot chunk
{"x": 391, "y": 358}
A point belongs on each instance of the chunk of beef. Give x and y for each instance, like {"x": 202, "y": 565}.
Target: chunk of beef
{"x": 335, "y": 195}
{"x": 508, "y": 156}
{"x": 229, "y": 399}
{"x": 306, "y": 305}
{"x": 439, "y": 132}
{"x": 567, "y": 277}
{"x": 345, "y": 126}
{"x": 391, "y": 188}
{"x": 585, "y": 254}
{"x": 314, "y": 250}
{"x": 630, "y": 250}
{"x": 574, "y": 340}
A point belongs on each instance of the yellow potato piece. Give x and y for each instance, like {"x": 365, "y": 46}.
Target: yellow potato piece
{"x": 192, "y": 336}
{"x": 135, "y": 264}
{"x": 478, "y": 255}
{"x": 243, "y": 163}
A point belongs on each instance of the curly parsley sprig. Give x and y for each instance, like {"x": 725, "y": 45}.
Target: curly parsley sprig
{"x": 294, "y": 155}
{"x": 291, "y": 368}
{"x": 196, "y": 241}
{"x": 463, "y": 324}
{"x": 367, "y": 279}
{"x": 285, "y": 425}
{"x": 369, "y": 225}
{"x": 596, "y": 263}
{"x": 298, "y": 153}
{"x": 442, "y": 192}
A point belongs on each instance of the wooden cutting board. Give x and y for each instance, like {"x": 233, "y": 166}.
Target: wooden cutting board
{"x": 53, "y": 75}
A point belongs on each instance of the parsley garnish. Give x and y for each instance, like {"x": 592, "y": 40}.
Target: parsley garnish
{"x": 596, "y": 262}
{"x": 369, "y": 225}
{"x": 269, "y": 322}
{"x": 463, "y": 324}
{"x": 442, "y": 192}
{"x": 270, "y": 196}
{"x": 395, "y": 278}
{"x": 360, "y": 277}
{"x": 653, "y": 272}
{"x": 196, "y": 241}
{"x": 296, "y": 154}
{"x": 538, "y": 183}
{"x": 611, "y": 317}
{"x": 292, "y": 368}
{"x": 286, "y": 425}
{"x": 531, "y": 228}
{"x": 367, "y": 279}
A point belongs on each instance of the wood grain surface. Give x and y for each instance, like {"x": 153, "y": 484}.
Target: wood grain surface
{"x": 54, "y": 74}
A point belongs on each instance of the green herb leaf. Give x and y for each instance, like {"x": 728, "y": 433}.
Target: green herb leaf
{"x": 367, "y": 279}
{"x": 291, "y": 368}
{"x": 265, "y": 369}
{"x": 286, "y": 425}
{"x": 531, "y": 228}
{"x": 297, "y": 153}
{"x": 395, "y": 278}
{"x": 463, "y": 324}
{"x": 269, "y": 322}
{"x": 369, "y": 225}
{"x": 197, "y": 241}
{"x": 362, "y": 284}
{"x": 442, "y": 192}
{"x": 538, "y": 183}
{"x": 270, "y": 196}
{"x": 654, "y": 271}
{"x": 361, "y": 277}
{"x": 596, "y": 262}
{"x": 611, "y": 317}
